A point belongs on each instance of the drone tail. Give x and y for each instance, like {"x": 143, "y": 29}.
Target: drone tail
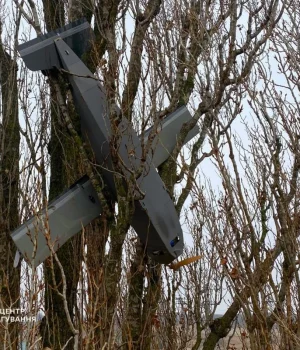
{"x": 41, "y": 54}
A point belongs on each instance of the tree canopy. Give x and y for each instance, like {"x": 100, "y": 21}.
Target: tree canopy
{"x": 235, "y": 186}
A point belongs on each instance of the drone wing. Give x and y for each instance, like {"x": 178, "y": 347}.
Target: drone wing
{"x": 79, "y": 205}
{"x": 52, "y": 227}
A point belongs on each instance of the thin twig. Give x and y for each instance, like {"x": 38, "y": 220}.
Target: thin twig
{"x": 31, "y": 21}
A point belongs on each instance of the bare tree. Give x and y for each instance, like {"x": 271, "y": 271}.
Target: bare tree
{"x": 152, "y": 57}
{"x": 9, "y": 181}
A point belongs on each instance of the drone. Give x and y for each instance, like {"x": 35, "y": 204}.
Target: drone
{"x": 155, "y": 219}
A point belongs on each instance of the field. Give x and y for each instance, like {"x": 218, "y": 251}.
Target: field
{"x": 236, "y": 341}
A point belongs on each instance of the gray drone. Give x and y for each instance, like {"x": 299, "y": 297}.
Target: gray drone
{"x": 155, "y": 219}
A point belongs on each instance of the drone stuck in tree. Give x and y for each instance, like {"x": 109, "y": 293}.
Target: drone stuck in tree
{"x": 155, "y": 219}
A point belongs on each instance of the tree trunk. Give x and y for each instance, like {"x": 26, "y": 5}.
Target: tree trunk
{"x": 133, "y": 326}
{"x": 9, "y": 185}
{"x": 55, "y": 329}
{"x": 65, "y": 169}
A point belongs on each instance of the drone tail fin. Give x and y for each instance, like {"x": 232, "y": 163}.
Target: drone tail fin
{"x": 41, "y": 54}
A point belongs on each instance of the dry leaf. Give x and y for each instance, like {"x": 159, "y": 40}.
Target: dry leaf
{"x": 234, "y": 273}
{"x": 224, "y": 261}
{"x": 155, "y": 321}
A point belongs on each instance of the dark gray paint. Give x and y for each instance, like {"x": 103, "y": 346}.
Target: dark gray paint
{"x": 79, "y": 196}
{"x": 40, "y": 53}
{"x": 166, "y": 137}
{"x": 155, "y": 219}
{"x": 66, "y": 215}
